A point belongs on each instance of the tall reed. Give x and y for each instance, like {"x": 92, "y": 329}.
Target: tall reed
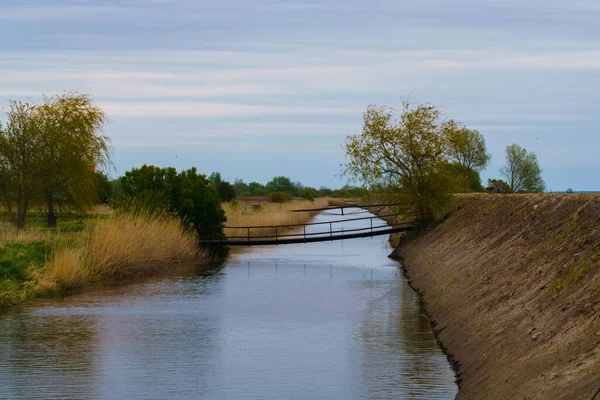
{"x": 254, "y": 213}
{"x": 124, "y": 245}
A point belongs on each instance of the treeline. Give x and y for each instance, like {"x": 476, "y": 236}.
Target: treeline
{"x": 227, "y": 191}
{"x": 282, "y": 184}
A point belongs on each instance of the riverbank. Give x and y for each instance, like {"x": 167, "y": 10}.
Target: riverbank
{"x": 116, "y": 246}
{"x": 512, "y": 284}
{"x": 42, "y": 262}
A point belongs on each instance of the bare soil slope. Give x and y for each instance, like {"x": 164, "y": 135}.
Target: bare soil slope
{"x": 513, "y": 285}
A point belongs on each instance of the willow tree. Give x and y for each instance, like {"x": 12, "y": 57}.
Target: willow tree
{"x": 408, "y": 156}
{"x": 21, "y": 164}
{"x": 72, "y": 147}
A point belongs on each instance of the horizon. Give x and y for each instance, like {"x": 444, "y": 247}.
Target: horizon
{"x": 257, "y": 89}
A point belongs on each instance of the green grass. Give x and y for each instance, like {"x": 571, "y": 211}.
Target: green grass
{"x": 17, "y": 262}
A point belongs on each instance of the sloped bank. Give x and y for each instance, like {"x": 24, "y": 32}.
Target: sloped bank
{"x": 512, "y": 283}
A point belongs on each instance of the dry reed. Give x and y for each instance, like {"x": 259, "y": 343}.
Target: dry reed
{"x": 254, "y": 213}
{"x": 122, "y": 246}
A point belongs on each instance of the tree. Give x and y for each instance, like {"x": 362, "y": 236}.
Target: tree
{"x": 522, "y": 170}
{"x": 256, "y": 189}
{"x": 240, "y": 187}
{"x": 569, "y": 191}
{"x": 226, "y": 190}
{"x": 72, "y": 147}
{"x": 465, "y": 180}
{"x": 215, "y": 178}
{"x": 20, "y": 149}
{"x": 50, "y": 151}
{"x": 466, "y": 148}
{"x": 281, "y": 184}
{"x": 105, "y": 191}
{"x": 408, "y": 156}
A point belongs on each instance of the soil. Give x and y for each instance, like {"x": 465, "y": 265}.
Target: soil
{"x": 512, "y": 284}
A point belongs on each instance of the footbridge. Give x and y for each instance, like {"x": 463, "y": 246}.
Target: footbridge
{"x": 323, "y": 231}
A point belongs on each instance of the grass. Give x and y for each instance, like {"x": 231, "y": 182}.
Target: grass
{"x": 20, "y": 263}
{"x": 36, "y": 262}
{"x": 254, "y": 213}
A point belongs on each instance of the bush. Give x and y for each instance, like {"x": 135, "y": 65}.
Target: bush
{"x": 226, "y": 190}
{"x": 498, "y": 186}
{"x": 280, "y": 197}
{"x": 186, "y": 193}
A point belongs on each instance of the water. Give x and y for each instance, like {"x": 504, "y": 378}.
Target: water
{"x": 332, "y": 320}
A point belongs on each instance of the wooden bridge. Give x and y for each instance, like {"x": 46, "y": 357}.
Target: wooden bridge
{"x": 317, "y": 232}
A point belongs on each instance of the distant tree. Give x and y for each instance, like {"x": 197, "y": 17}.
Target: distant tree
{"x": 522, "y": 170}
{"x": 215, "y": 178}
{"x": 408, "y": 155}
{"x": 464, "y": 180}
{"x": 569, "y": 191}
{"x": 281, "y": 184}
{"x": 256, "y": 189}
{"x": 308, "y": 193}
{"x": 325, "y": 191}
{"x": 240, "y": 187}
{"x": 105, "y": 187}
{"x": 466, "y": 148}
{"x": 226, "y": 190}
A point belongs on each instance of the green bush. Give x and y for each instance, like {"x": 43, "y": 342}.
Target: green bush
{"x": 187, "y": 193}
{"x": 280, "y": 197}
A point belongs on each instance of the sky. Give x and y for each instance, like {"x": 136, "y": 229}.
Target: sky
{"x": 261, "y": 88}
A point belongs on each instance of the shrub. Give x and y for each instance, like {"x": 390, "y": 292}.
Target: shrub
{"x": 280, "y": 197}
{"x": 498, "y": 186}
{"x": 186, "y": 193}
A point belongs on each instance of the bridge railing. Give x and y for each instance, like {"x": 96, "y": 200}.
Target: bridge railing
{"x": 299, "y": 231}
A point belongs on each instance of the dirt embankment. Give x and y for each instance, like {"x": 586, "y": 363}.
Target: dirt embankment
{"x": 512, "y": 283}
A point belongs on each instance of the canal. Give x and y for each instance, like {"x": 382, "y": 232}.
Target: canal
{"x": 331, "y": 320}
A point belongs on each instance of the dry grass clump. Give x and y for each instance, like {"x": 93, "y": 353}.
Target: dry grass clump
{"x": 122, "y": 246}
{"x": 335, "y": 202}
{"x": 254, "y": 213}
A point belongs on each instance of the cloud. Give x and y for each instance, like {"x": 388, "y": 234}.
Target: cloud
{"x": 212, "y": 110}
{"x": 296, "y": 75}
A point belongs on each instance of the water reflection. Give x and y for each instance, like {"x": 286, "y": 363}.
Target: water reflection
{"x": 47, "y": 351}
{"x": 325, "y": 321}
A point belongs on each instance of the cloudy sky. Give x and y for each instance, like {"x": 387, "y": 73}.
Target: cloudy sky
{"x": 258, "y": 88}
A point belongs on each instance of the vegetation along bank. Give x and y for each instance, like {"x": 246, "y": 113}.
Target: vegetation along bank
{"x": 512, "y": 284}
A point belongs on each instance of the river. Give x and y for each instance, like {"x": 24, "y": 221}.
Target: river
{"x": 330, "y": 320}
